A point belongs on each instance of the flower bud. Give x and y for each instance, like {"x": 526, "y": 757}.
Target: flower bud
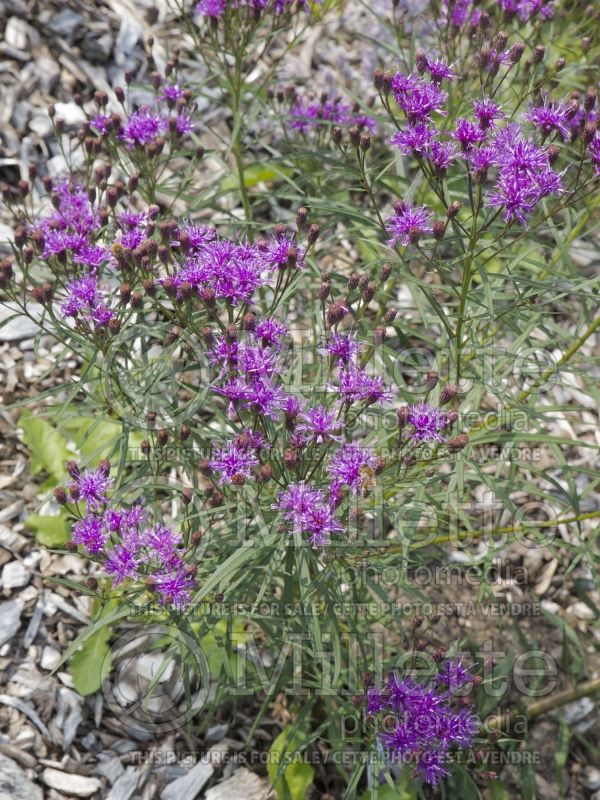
{"x": 589, "y": 131}
{"x": 553, "y": 153}
{"x": 336, "y": 134}
{"x": 365, "y": 142}
{"x": 151, "y": 419}
{"x": 453, "y": 209}
{"x": 538, "y": 54}
{"x": 173, "y": 335}
{"x": 590, "y": 99}
{"x": 313, "y": 234}
{"x": 402, "y": 415}
{"x": 438, "y": 230}
{"x": 145, "y": 447}
{"x": 560, "y": 64}
{"x": 291, "y": 458}
{"x": 458, "y": 443}
{"x": 385, "y": 273}
{"x": 335, "y": 313}
{"x": 431, "y": 380}
{"x": 301, "y": 217}
{"x": 421, "y": 62}
{"x": 390, "y": 316}
{"x": 184, "y": 433}
{"x": 162, "y": 437}
{"x": 60, "y": 495}
{"x": 324, "y": 291}
{"x": 354, "y": 135}
{"x": 449, "y": 392}
{"x": 368, "y": 293}
{"x": 500, "y": 40}
{"x": 378, "y": 336}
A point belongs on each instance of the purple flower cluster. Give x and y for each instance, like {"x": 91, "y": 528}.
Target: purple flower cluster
{"x": 353, "y": 466}
{"x": 129, "y": 548}
{"x": 217, "y": 8}
{"x": 466, "y": 12}
{"x": 147, "y": 125}
{"x": 232, "y": 271}
{"x": 308, "y": 511}
{"x": 424, "y": 724}
{"x": 428, "y": 422}
{"x": 524, "y": 174}
{"x": 309, "y": 113}
{"x": 249, "y": 373}
{"x": 68, "y": 231}
{"x": 408, "y": 224}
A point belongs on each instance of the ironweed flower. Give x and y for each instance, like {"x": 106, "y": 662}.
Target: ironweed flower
{"x": 233, "y": 461}
{"x": 427, "y": 422}
{"x": 551, "y": 117}
{"x": 408, "y": 224}
{"x": 351, "y": 464}
{"x": 423, "y": 724}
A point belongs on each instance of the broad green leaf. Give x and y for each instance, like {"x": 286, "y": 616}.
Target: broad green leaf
{"x": 257, "y": 173}
{"x": 51, "y": 531}
{"x": 91, "y": 664}
{"x": 47, "y": 445}
{"x": 297, "y": 777}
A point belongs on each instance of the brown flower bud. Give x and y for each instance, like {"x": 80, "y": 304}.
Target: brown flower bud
{"x": 335, "y": 313}
{"x": 187, "y": 496}
{"x": 184, "y": 433}
{"x": 590, "y": 99}
{"x": 216, "y": 500}
{"x": 162, "y": 437}
{"x": 561, "y": 64}
{"x": 313, "y": 234}
{"x": 431, "y": 380}
{"x": 390, "y": 316}
{"x": 538, "y": 54}
{"x": 421, "y": 62}
{"x": 354, "y": 135}
{"x": 196, "y": 537}
{"x": 453, "y": 209}
{"x": 145, "y": 447}
{"x": 458, "y": 443}
{"x": 365, "y": 142}
{"x": 449, "y": 392}
{"x": 553, "y": 153}
{"x": 385, "y": 273}
{"x": 438, "y": 230}
{"x": 324, "y": 290}
{"x": 378, "y": 335}
{"x": 368, "y": 293}
{"x": 173, "y": 335}
{"x": 402, "y": 415}
{"x": 291, "y": 458}
{"x": 60, "y": 495}
{"x": 266, "y": 473}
